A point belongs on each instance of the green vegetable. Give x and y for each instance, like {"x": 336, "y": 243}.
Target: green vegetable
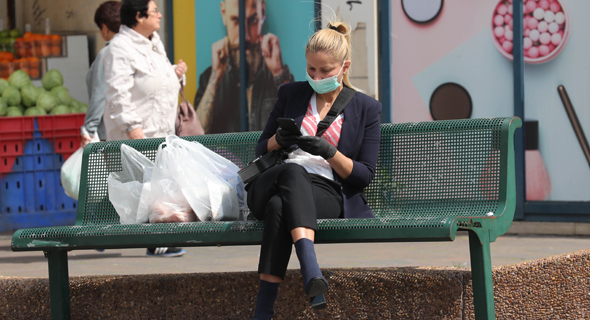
{"x": 3, "y": 108}
{"x": 11, "y": 95}
{"x": 52, "y": 79}
{"x": 3, "y": 85}
{"x": 13, "y": 112}
{"x": 19, "y": 79}
{"x": 14, "y": 33}
{"x": 60, "y": 109}
{"x": 29, "y": 94}
{"x": 4, "y": 34}
{"x": 83, "y": 108}
{"x": 21, "y": 108}
{"x": 35, "y": 111}
{"x": 46, "y": 101}
{"x": 75, "y": 104}
{"x": 62, "y": 94}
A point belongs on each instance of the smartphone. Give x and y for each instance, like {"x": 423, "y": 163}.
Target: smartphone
{"x": 289, "y": 125}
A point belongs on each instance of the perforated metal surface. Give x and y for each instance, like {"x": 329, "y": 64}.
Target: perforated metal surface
{"x": 428, "y": 174}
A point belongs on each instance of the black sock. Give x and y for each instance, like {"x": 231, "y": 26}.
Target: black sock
{"x": 307, "y": 259}
{"x": 267, "y": 294}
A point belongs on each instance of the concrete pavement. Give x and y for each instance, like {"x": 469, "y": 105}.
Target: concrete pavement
{"x": 508, "y": 249}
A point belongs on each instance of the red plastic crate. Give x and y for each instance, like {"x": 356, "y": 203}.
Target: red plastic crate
{"x": 63, "y": 131}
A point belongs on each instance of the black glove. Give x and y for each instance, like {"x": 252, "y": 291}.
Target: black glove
{"x": 285, "y": 139}
{"x": 317, "y": 146}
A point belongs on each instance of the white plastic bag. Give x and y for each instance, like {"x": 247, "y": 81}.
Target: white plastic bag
{"x": 71, "y": 171}
{"x": 209, "y": 182}
{"x": 129, "y": 189}
{"x": 167, "y": 202}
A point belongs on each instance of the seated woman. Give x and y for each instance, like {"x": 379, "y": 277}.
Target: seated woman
{"x": 324, "y": 177}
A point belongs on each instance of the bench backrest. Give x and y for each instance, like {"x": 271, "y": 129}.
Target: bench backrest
{"x": 424, "y": 169}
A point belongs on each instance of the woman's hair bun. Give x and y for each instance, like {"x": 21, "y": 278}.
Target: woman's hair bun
{"x": 339, "y": 27}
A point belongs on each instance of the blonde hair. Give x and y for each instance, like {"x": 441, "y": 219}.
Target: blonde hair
{"x": 335, "y": 41}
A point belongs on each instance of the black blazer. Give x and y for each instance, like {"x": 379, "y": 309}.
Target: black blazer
{"x": 359, "y": 139}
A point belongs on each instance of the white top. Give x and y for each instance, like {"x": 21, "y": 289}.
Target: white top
{"x": 309, "y": 127}
{"x": 142, "y": 86}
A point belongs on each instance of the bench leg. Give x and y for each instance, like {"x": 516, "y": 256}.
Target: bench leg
{"x": 59, "y": 284}
{"x": 481, "y": 274}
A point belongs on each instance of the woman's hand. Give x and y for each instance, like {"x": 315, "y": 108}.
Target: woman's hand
{"x": 86, "y": 139}
{"x": 180, "y": 68}
{"x": 136, "y": 133}
{"x": 317, "y": 146}
{"x": 284, "y": 138}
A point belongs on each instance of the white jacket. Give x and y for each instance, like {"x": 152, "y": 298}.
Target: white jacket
{"x": 142, "y": 86}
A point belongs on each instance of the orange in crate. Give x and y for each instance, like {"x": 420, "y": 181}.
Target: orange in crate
{"x": 4, "y": 70}
{"x": 55, "y": 40}
{"x": 6, "y": 56}
{"x": 45, "y": 50}
{"x": 34, "y": 73}
{"x": 55, "y": 50}
{"x": 34, "y": 62}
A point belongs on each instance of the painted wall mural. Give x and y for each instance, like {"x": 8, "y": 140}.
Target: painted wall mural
{"x": 276, "y": 35}
{"x": 456, "y": 63}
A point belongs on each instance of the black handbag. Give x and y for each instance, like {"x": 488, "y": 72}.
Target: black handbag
{"x": 276, "y": 157}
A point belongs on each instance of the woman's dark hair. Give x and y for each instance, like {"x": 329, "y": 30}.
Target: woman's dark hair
{"x": 109, "y": 14}
{"x": 129, "y": 10}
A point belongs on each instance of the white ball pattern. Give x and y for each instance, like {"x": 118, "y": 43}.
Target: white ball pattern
{"x": 543, "y": 27}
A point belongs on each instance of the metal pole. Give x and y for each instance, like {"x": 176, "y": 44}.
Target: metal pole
{"x": 170, "y": 30}
{"x": 519, "y": 137}
{"x": 384, "y": 57}
{"x": 243, "y": 69}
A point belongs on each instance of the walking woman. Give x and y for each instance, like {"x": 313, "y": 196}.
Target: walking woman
{"x": 142, "y": 85}
{"x": 324, "y": 177}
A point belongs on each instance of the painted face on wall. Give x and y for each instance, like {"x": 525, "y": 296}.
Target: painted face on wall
{"x": 255, "y": 16}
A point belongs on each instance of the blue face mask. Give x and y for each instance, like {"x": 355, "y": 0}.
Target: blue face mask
{"x": 324, "y": 85}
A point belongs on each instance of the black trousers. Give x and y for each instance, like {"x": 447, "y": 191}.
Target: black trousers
{"x": 286, "y": 197}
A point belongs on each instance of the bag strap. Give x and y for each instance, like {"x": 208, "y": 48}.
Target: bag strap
{"x": 182, "y": 91}
{"x": 341, "y": 101}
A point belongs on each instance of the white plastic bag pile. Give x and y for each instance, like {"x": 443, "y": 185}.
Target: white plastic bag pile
{"x": 187, "y": 182}
{"x": 72, "y": 169}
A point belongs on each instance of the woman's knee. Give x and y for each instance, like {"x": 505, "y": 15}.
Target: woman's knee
{"x": 274, "y": 207}
{"x": 293, "y": 170}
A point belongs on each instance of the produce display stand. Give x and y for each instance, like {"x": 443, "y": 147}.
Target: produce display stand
{"x": 32, "y": 151}
{"x": 73, "y": 66}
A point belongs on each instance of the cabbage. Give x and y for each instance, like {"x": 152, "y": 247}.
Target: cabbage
{"x": 19, "y": 79}
{"x": 11, "y": 96}
{"x": 62, "y": 94}
{"x": 3, "y": 85}
{"x": 21, "y": 108}
{"x": 83, "y": 108}
{"x": 35, "y": 111}
{"x": 3, "y": 108}
{"x": 13, "y": 112}
{"x": 60, "y": 109}
{"x": 75, "y": 104}
{"x": 29, "y": 93}
{"x": 52, "y": 79}
{"x": 47, "y": 101}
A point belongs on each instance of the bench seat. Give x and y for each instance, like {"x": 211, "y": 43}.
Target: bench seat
{"x": 431, "y": 180}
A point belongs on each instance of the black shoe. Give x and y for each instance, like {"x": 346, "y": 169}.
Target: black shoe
{"x": 318, "y": 302}
{"x": 165, "y": 252}
{"x": 316, "y": 286}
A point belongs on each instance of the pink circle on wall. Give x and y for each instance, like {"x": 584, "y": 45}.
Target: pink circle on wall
{"x": 537, "y": 22}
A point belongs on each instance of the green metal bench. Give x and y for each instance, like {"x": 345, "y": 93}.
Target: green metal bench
{"x": 432, "y": 179}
